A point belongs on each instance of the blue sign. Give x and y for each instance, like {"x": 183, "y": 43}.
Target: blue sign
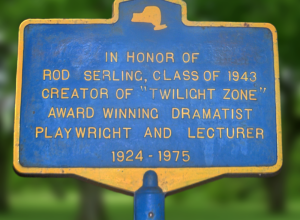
{"x": 148, "y": 89}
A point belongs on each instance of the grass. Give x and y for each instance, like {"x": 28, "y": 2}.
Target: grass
{"x": 42, "y": 204}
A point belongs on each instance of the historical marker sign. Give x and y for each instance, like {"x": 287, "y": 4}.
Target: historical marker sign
{"x": 108, "y": 99}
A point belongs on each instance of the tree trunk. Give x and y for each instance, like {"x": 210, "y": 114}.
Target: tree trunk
{"x": 6, "y": 144}
{"x": 92, "y": 206}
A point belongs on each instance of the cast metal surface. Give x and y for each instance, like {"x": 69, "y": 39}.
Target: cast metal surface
{"x": 149, "y": 200}
{"x": 158, "y": 27}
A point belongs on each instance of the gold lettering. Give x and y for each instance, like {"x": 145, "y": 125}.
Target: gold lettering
{"x": 106, "y": 73}
{"x": 56, "y": 71}
{"x": 220, "y": 131}
{"x": 199, "y": 132}
{"x": 38, "y": 130}
{"x": 189, "y": 133}
{"x": 46, "y": 72}
{"x": 173, "y": 113}
{"x": 201, "y": 94}
{"x": 92, "y": 130}
{"x": 240, "y": 131}
{"x": 63, "y": 75}
{"x": 213, "y": 133}
{"x": 185, "y": 111}
{"x": 113, "y": 57}
{"x": 54, "y": 91}
{"x": 71, "y": 113}
{"x": 225, "y": 111}
{"x": 68, "y": 131}
{"x": 95, "y": 75}
{"x": 87, "y": 75}
{"x": 259, "y": 131}
{"x": 104, "y": 134}
{"x": 239, "y": 113}
{"x": 217, "y": 114}
{"x": 148, "y": 132}
{"x": 196, "y": 114}
{"x": 249, "y": 133}
{"x": 61, "y": 112}
{"x": 83, "y": 92}
{"x": 138, "y": 57}
{"x": 87, "y": 112}
{"x": 230, "y": 137}
{"x": 107, "y": 112}
{"x": 130, "y": 57}
{"x": 116, "y": 132}
{"x": 170, "y": 133}
{"x": 80, "y": 132}
{"x": 158, "y": 132}
{"x": 169, "y": 55}
{"x": 207, "y": 114}
{"x": 96, "y": 93}
{"x": 43, "y": 93}
{"x": 52, "y": 113}
{"x": 252, "y": 95}
{"x": 80, "y": 111}
{"x": 58, "y": 133}
{"x": 162, "y": 57}
{"x": 64, "y": 93}
{"x": 46, "y": 135}
{"x": 177, "y": 75}
{"x": 127, "y": 131}
{"x": 75, "y": 93}
{"x": 248, "y": 112}
{"x": 225, "y": 97}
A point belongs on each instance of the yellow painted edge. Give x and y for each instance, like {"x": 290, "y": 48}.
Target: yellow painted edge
{"x": 130, "y": 179}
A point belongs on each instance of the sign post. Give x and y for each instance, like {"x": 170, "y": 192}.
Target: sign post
{"x": 110, "y": 99}
{"x": 149, "y": 200}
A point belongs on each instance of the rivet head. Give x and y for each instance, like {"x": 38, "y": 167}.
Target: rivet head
{"x": 151, "y": 214}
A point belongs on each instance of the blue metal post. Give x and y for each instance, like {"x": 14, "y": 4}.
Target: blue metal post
{"x": 149, "y": 200}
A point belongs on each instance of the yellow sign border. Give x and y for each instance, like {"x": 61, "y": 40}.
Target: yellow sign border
{"x": 130, "y": 179}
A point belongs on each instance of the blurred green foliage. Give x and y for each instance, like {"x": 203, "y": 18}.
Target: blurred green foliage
{"x": 240, "y": 198}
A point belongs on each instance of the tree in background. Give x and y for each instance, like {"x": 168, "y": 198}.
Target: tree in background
{"x": 6, "y": 129}
{"x": 92, "y": 206}
{"x": 12, "y": 13}
{"x": 285, "y": 17}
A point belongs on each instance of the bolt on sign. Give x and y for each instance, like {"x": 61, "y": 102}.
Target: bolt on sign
{"x": 109, "y": 99}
